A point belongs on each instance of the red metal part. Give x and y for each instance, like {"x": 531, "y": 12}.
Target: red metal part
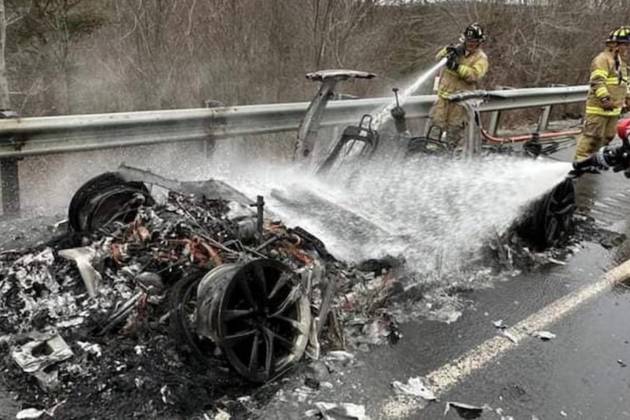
{"x": 623, "y": 128}
{"x": 527, "y": 137}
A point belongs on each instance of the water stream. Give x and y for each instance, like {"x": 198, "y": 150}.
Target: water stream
{"x": 384, "y": 114}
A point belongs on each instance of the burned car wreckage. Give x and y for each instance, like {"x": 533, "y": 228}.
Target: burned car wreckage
{"x": 241, "y": 294}
{"x": 209, "y": 267}
{"x": 155, "y": 287}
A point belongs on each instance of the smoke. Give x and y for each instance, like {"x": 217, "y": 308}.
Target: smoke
{"x": 48, "y": 182}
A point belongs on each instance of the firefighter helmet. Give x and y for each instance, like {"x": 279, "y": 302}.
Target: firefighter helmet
{"x": 474, "y": 32}
{"x": 621, "y": 34}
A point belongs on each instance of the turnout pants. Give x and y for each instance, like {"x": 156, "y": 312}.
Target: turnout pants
{"x": 598, "y": 131}
{"x": 451, "y": 118}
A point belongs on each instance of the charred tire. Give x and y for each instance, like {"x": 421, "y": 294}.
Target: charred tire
{"x": 258, "y": 314}
{"x": 100, "y": 198}
{"x": 182, "y": 300}
{"x": 550, "y": 219}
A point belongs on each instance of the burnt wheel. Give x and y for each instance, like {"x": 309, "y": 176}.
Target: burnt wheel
{"x": 103, "y": 199}
{"x": 557, "y": 216}
{"x": 550, "y": 219}
{"x": 258, "y": 314}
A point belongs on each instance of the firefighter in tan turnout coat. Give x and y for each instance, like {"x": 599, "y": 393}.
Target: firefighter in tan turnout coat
{"x": 467, "y": 64}
{"x": 608, "y": 94}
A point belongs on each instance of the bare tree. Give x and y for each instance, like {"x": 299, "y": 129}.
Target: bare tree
{"x": 112, "y": 55}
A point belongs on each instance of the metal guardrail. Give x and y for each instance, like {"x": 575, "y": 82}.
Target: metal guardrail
{"x": 42, "y": 135}
{"x": 22, "y": 137}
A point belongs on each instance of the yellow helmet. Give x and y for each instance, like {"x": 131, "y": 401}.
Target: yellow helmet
{"x": 621, "y": 34}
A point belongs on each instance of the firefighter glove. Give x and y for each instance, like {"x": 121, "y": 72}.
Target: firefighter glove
{"x": 457, "y": 50}
{"x": 451, "y": 62}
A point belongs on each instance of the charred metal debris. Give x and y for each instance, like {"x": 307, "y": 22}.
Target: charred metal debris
{"x": 161, "y": 291}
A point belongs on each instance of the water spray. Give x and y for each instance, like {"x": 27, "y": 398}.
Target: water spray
{"x": 384, "y": 115}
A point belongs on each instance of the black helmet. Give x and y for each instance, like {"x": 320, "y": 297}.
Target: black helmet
{"x": 474, "y": 32}
{"x": 621, "y": 34}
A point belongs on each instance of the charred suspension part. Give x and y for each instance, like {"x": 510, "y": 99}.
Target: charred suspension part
{"x": 259, "y": 315}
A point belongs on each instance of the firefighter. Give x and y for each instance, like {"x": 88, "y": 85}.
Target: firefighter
{"x": 466, "y": 65}
{"x": 608, "y": 94}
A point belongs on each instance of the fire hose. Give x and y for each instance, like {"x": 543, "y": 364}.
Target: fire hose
{"x": 615, "y": 157}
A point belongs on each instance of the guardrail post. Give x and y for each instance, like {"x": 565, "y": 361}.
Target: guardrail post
{"x": 10, "y": 182}
{"x": 210, "y": 144}
{"x": 9, "y": 177}
{"x": 495, "y": 119}
{"x": 472, "y": 142}
{"x": 543, "y": 122}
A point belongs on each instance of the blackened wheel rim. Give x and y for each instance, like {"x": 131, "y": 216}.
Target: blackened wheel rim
{"x": 264, "y": 320}
{"x": 558, "y": 213}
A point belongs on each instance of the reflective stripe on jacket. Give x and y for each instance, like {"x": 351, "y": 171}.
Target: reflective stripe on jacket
{"x": 472, "y": 68}
{"x": 608, "y": 78}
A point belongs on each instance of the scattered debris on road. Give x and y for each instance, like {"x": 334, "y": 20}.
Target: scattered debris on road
{"x": 341, "y": 411}
{"x": 414, "y": 387}
{"x": 465, "y": 411}
{"x": 544, "y": 335}
{"x": 499, "y": 324}
{"x": 507, "y": 334}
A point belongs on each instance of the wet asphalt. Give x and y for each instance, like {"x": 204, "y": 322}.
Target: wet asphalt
{"x": 577, "y": 372}
{"x": 584, "y": 373}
